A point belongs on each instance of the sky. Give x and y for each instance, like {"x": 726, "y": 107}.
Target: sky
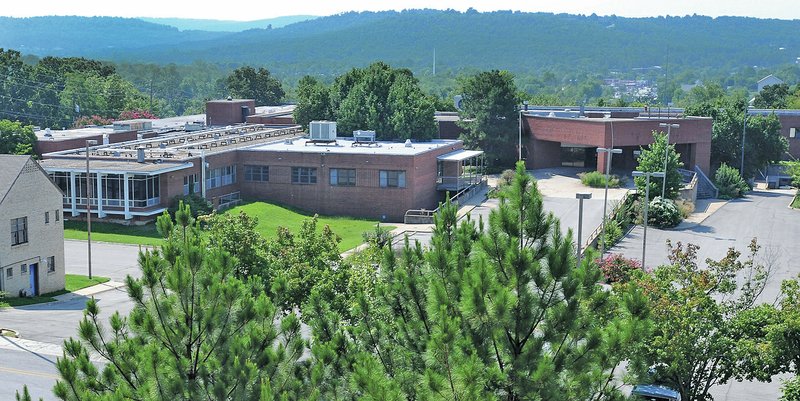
{"x": 246, "y": 10}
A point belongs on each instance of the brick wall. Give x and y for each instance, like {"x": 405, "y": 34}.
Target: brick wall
{"x": 228, "y": 112}
{"x": 31, "y": 196}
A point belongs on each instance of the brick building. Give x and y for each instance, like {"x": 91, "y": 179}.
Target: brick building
{"x": 32, "y": 250}
{"x": 573, "y": 140}
{"x": 137, "y": 180}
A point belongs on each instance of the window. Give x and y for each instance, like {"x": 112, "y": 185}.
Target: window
{"x": 10, "y": 272}
{"x": 256, "y": 173}
{"x": 191, "y": 184}
{"x": 792, "y": 132}
{"x": 345, "y": 177}
{"x": 393, "y": 179}
{"x": 304, "y": 175}
{"x": 58, "y": 214}
{"x": 46, "y": 217}
{"x": 51, "y": 264}
{"x": 221, "y": 176}
{"x": 19, "y": 231}
{"x": 23, "y": 269}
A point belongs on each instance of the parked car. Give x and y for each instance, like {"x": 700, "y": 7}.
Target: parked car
{"x": 653, "y": 392}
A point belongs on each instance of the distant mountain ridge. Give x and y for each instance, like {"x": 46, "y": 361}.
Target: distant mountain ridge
{"x": 211, "y": 25}
{"x": 520, "y": 42}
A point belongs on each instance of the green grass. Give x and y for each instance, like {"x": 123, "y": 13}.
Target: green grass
{"x": 270, "y": 217}
{"x": 73, "y": 282}
{"x": 109, "y": 232}
{"x": 796, "y": 201}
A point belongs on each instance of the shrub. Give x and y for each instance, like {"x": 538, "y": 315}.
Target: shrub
{"x": 686, "y": 207}
{"x": 731, "y": 185}
{"x": 663, "y": 213}
{"x": 613, "y": 232}
{"x": 379, "y": 237}
{"x": 506, "y": 178}
{"x": 198, "y": 205}
{"x": 618, "y": 269}
{"x": 597, "y": 179}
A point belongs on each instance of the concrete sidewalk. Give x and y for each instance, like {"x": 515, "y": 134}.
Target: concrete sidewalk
{"x": 89, "y": 291}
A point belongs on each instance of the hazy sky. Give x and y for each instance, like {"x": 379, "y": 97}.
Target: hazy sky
{"x": 244, "y": 10}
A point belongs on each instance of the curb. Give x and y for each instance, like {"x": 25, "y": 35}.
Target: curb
{"x": 9, "y": 332}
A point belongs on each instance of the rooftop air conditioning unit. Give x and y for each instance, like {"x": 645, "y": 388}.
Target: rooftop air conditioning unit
{"x": 322, "y": 130}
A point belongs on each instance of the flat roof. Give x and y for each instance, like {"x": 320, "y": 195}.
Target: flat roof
{"x": 66, "y": 134}
{"x": 345, "y": 146}
{"x": 111, "y": 166}
{"x": 182, "y": 145}
{"x": 459, "y": 155}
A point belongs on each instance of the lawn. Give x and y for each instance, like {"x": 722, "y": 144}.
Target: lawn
{"x": 796, "y": 201}
{"x": 109, "y": 232}
{"x": 269, "y": 218}
{"x": 74, "y": 282}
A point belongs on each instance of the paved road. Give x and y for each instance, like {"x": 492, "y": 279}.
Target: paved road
{"x": 114, "y": 261}
{"x": 18, "y": 367}
{"x": 54, "y": 322}
{"x": 763, "y": 215}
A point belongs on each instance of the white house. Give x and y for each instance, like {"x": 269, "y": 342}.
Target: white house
{"x": 768, "y": 80}
{"x": 32, "y": 243}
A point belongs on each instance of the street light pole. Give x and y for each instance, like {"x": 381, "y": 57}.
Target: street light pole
{"x": 581, "y": 196}
{"x": 519, "y": 138}
{"x": 89, "y": 142}
{"x": 647, "y": 175}
{"x": 744, "y": 134}
{"x": 608, "y": 153}
{"x": 666, "y": 156}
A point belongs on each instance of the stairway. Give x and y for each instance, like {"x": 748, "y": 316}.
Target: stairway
{"x": 705, "y": 188}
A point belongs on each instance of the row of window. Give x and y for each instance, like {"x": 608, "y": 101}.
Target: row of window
{"x": 143, "y": 190}
{"x": 57, "y": 214}
{"x": 23, "y": 268}
{"x": 344, "y": 177}
{"x": 221, "y": 176}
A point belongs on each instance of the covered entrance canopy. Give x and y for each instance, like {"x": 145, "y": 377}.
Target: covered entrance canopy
{"x": 459, "y": 170}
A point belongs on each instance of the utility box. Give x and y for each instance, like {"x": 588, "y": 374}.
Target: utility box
{"x": 322, "y": 131}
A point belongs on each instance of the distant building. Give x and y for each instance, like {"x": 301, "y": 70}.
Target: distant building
{"x": 768, "y": 80}
{"x": 32, "y": 243}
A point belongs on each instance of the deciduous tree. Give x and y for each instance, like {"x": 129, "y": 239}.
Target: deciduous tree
{"x": 249, "y": 83}
{"x": 651, "y": 159}
{"x": 489, "y": 116}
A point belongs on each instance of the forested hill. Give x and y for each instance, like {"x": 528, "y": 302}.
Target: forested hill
{"x": 228, "y": 26}
{"x": 520, "y": 42}
{"x": 90, "y": 36}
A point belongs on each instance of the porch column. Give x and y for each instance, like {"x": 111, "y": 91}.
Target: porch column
{"x": 73, "y": 193}
{"x": 126, "y": 197}
{"x": 99, "y": 186}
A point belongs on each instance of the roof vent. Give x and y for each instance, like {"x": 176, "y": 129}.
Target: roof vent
{"x": 47, "y": 132}
{"x": 551, "y": 114}
{"x": 289, "y": 141}
{"x": 230, "y": 98}
{"x": 408, "y": 143}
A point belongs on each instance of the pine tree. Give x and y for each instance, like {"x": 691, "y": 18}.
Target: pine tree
{"x": 196, "y": 332}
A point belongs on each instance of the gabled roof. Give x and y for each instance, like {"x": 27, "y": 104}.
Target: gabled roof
{"x": 770, "y": 76}
{"x": 10, "y": 168}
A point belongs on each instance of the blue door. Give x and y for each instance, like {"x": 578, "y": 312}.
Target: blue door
{"x": 33, "y": 275}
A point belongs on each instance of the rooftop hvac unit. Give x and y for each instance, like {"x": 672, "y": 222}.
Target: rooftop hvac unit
{"x": 322, "y": 131}
{"x": 364, "y": 136}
